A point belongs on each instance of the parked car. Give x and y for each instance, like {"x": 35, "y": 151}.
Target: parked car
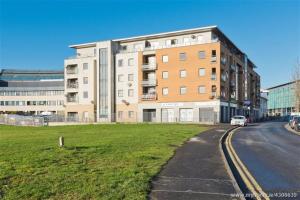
{"x": 291, "y": 120}
{"x": 295, "y": 123}
{"x": 239, "y": 120}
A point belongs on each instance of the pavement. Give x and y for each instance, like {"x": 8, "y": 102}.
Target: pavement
{"x": 272, "y": 155}
{"x": 196, "y": 171}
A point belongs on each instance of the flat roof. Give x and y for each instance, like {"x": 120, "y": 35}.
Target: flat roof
{"x": 284, "y": 84}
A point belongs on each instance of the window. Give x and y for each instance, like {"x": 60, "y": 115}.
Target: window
{"x": 165, "y": 91}
{"x": 130, "y": 77}
{"x": 165, "y": 75}
{"x": 168, "y": 42}
{"x": 85, "y": 66}
{"x": 201, "y": 89}
{"x": 120, "y": 93}
{"x": 130, "y": 62}
{"x": 182, "y": 73}
{"x": 174, "y": 41}
{"x": 130, "y": 114}
{"x": 213, "y": 53}
{"x": 124, "y": 48}
{"x": 201, "y": 54}
{"x": 182, "y": 90}
{"x": 120, "y": 63}
{"x": 120, "y": 114}
{"x": 85, "y": 95}
{"x": 182, "y": 56}
{"x": 165, "y": 59}
{"x": 120, "y": 78}
{"x": 201, "y": 72}
{"x": 213, "y": 74}
{"x": 130, "y": 92}
{"x": 85, "y": 80}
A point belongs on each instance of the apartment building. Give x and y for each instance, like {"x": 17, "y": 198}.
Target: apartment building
{"x": 195, "y": 75}
{"x": 31, "y": 91}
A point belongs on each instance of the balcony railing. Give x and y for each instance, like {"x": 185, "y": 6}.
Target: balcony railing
{"x": 72, "y": 85}
{"x": 213, "y": 77}
{"x": 149, "y": 97}
{"x": 72, "y": 99}
{"x": 223, "y": 60}
{"x": 213, "y": 59}
{"x": 149, "y": 66}
{"x": 149, "y": 82}
{"x": 72, "y": 69}
{"x": 232, "y": 67}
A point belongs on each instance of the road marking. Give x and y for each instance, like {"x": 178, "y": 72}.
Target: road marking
{"x": 248, "y": 179}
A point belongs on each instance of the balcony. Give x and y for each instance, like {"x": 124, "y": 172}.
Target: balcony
{"x": 149, "y": 97}
{"x": 223, "y": 60}
{"x": 72, "y": 69}
{"x": 213, "y": 77}
{"x": 72, "y": 85}
{"x": 149, "y": 82}
{"x": 72, "y": 98}
{"x": 213, "y": 59}
{"x": 232, "y": 83}
{"x": 232, "y": 67}
{"x": 149, "y": 66}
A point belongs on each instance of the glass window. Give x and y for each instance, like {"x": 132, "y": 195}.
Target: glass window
{"x": 130, "y": 77}
{"x": 182, "y": 56}
{"x": 130, "y": 62}
{"x": 165, "y": 59}
{"x": 120, "y": 77}
{"x": 165, "y": 91}
{"x": 165, "y": 75}
{"x": 201, "y": 72}
{"x": 201, "y": 54}
{"x": 182, "y": 90}
{"x": 120, "y": 93}
{"x": 182, "y": 73}
{"x": 120, "y": 63}
{"x": 85, "y": 80}
{"x": 130, "y": 92}
{"x": 213, "y": 53}
{"x": 130, "y": 114}
{"x": 201, "y": 89}
{"x": 85, "y": 66}
{"x": 85, "y": 94}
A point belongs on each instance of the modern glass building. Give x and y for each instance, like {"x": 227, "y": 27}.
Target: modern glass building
{"x": 281, "y": 99}
{"x": 31, "y": 91}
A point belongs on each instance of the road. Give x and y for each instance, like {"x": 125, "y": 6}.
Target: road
{"x": 272, "y": 155}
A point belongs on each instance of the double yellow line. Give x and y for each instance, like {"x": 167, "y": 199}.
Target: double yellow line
{"x": 248, "y": 179}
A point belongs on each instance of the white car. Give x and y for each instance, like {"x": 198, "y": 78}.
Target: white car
{"x": 238, "y": 120}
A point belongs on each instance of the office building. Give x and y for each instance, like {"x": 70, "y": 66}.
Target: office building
{"x": 31, "y": 91}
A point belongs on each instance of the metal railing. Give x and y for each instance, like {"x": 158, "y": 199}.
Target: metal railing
{"x": 20, "y": 120}
{"x": 72, "y": 69}
{"x": 72, "y": 99}
{"x": 149, "y": 82}
{"x": 148, "y": 97}
{"x": 72, "y": 85}
{"x": 149, "y": 66}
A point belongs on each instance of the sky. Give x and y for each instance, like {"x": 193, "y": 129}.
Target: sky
{"x": 35, "y": 34}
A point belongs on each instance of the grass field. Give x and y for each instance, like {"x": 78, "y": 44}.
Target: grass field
{"x": 98, "y": 161}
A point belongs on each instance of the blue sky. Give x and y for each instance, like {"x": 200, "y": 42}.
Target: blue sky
{"x": 35, "y": 34}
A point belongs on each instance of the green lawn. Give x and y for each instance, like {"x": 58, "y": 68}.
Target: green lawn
{"x": 99, "y": 161}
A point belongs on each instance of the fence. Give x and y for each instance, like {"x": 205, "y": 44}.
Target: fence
{"x": 19, "y": 120}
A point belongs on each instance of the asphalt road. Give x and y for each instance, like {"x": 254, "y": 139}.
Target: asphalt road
{"x": 272, "y": 155}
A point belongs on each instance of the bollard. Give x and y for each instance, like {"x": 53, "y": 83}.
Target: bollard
{"x": 61, "y": 141}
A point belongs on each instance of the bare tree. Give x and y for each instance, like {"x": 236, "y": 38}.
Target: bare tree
{"x": 296, "y": 78}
